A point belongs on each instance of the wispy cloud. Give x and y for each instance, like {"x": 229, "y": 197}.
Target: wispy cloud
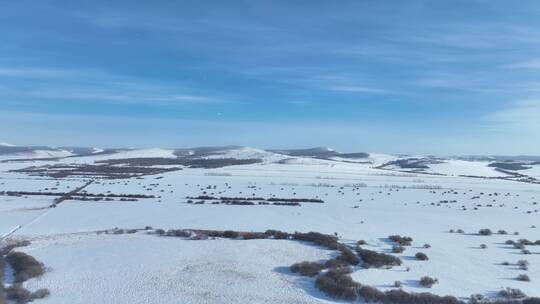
{"x": 32, "y": 72}
{"x": 356, "y": 89}
{"x": 96, "y": 86}
{"x": 530, "y": 64}
{"x": 522, "y": 116}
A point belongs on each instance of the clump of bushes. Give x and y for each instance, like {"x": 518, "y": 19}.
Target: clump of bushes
{"x": 485, "y": 231}
{"x": 401, "y": 240}
{"x": 428, "y": 282}
{"x": 523, "y": 277}
{"x": 325, "y": 240}
{"x": 483, "y": 246}
{"x": 421, "y": 256}
{"x": 523, "y": 264}
{"x": 230, "y": 234}
{"x": 376, "y": 259}
{"x": 398, "y": 249}
{"x": 348, "y": 256}
{"x": 24, "y": 266}
{"x": 338, "y": 284}
{"x": 512, "y": 293}
{"x": 18, "y": 294}
{"x": 309, "y": 269}
{"x": 276, "y": 234}
{"x": 178, "y": 233}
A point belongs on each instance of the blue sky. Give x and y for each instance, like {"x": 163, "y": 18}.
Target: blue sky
{"x": 438, "y": 77}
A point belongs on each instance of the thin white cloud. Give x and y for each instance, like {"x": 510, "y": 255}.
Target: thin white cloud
{"x": 122, "y": 95}
{"x": 356, "y": 89}
{"x": 91, "y": 85}
{"x": 529, "y": 64}
{"x": 522, "y": 116}
{"x": 35, "y": 72}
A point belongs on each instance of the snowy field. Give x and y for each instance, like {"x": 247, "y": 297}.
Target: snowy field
{"x": 361, "y": 202}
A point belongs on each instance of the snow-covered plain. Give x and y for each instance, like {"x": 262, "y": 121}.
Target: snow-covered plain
{"x": 361, "y": 202}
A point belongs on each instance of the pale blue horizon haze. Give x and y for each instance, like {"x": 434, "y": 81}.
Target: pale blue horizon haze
{"x": 427, "y": 77}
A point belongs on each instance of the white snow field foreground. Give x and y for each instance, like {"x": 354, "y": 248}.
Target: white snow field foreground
{"x": 362, "y": 200}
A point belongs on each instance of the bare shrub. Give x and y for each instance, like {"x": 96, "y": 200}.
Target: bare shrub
{"x": 40, "y": 293}
{"x": 253, "y": 235}
{"x": 523, "y": 277}
{"x": 348, "y": 256}
{"x": 401, "y": 240}
{"x": 18, "y": 293}
{"x": 523, "y": 264}
{"x": 309, "y": 269}
{"x": 421, "y": 256}
{"x": 376, "y": 259}
{"x": 338, "y": 284}
{"x": 485, "y": 231}
{"x": 325, "y": 240}
{"x": 525, "y": 242}
{"x": 276, "y": 234}
{"x": 428, "y": 282}
{"x": 335, "y": 263}
{"x": 398, "y": 249}
{"x": 230, "y": 234}
{"x": 24, "y": 266}
{"x": 178, "y": 233}
{"x": 512, "y": 293}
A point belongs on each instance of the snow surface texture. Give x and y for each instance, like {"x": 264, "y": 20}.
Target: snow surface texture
{"x": 361, "y": 202}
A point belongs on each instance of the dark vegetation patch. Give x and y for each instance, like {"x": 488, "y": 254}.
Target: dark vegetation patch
{"x": 421, "y": 256}
{"x": 309, "y": 269}
{"x": 485, "y": 232}
{"x": 401, "y": 240}
{"x": 87, "y": 170}
{"x": 428, "y": 281}
{"x": 206, "y": 163}
{"x": 250, "y": 201}
{"x": 24, "y": 267}
{"x": 81, "y": 195}
{"x": 514, "y": 166}
{"x": 373, "y": 259}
